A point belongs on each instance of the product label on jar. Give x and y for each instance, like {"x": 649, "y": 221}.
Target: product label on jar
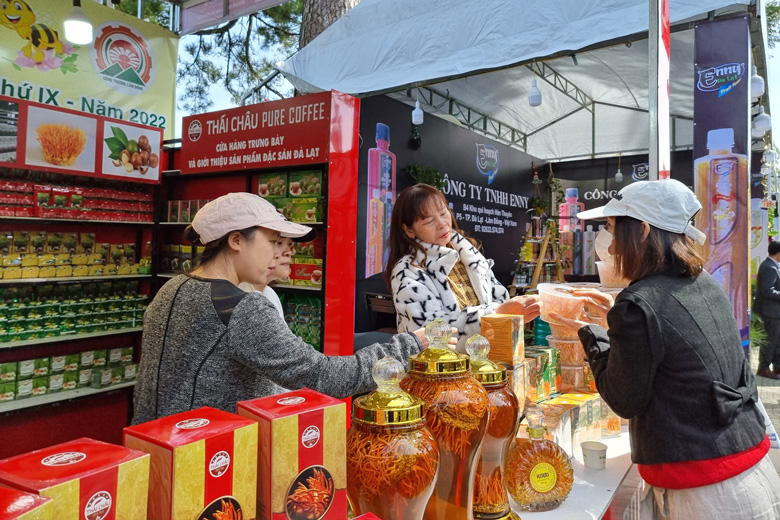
{"x": 543, "y": 477}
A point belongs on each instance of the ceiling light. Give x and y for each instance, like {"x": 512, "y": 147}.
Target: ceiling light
{"x": 756, "y": 84}
{"x": 535, "y": 97}
{"x": 618, "y": 174}
{"x": 78, "y": 27}
{"x": 762, "y": 122}
{"x": 417, "y": 114}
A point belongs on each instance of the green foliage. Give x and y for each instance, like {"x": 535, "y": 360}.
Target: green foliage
{"x": 426, "y": 175}
{"x": 155, "y": 11}
{"x": 773, "y": 22}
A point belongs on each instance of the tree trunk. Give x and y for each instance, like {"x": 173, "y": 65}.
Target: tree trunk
{"x": 319, "y": 14}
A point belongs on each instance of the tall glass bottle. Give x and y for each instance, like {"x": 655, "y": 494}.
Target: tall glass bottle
{"x": 538, "y": 472}
{"x": 392, "y": 457}
{"x": 491, "y": 501}
{"x": 457, "y": 411}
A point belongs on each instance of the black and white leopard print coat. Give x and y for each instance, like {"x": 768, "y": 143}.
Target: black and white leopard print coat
{"x": 422, "y": 293}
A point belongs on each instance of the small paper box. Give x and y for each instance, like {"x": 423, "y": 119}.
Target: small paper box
{"x": 85, "y": 377}
{"x": 554, "y": 362}
{"x": 85, "y": 478}
{"x": 307, "y": 209}
{"x": 56, "y": 382}
{"x": 201, "y": 461}
{"x": 173, "y": 210}
{"x": 99, "y": 358}
{"x": 305, "y": 183}
{"x": 87, "y": 359}
{"x": 301, "y": 444}
{"x": 101, "y": 378}
{"x": 129, "y": 372}
{"x": 7, "y": 372}
{"x": 538, "y": 376}
{"x": 272, "y": 185}
{"x": 7, "y": 391}
{"x": 284, "y": 205}
{"x": 307, "y": 272}
{"x": 70, "y": 381}
{"x": 311, "y": 249}
{"x": 18, "y": 505}
{"x": 506, "y": 336}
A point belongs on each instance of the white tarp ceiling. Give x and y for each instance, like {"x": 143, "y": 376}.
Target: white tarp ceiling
{"x": 465, "y": 50}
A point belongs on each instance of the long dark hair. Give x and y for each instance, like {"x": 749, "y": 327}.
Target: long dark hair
{"x": 213, "y": 248}
{"x": 409, "y": 207}
{"x": 662, "y": 252}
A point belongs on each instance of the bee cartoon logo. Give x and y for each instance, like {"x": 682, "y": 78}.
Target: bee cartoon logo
{"x": 44, "y": 50}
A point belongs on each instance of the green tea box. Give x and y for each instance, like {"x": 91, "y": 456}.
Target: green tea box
{"x": 130, "y": 372}
{"x": 307, "y": 209}
{"x": 72, "y": 363}
{"x": 101, "y": 377}
{"x": 70, "y": 381}
{"x": 127, "y": 355}
{"x": 114, "y": 357}
{"x": 7, "y": 372}
{"x": 100, "y": 358}
{"x": 29, "y": 368}
{"x": 31, "y": 387}
{"x": 57, "y": 364}
{"x": 305, "y": 183}
{"x": 85, "y": 377}
{"x": 7, "y": 391}
{"x": 56, "y": 382}
{"x": 284, "y": 205}
{"x": 87, "y": 359}
{"x": 307, "y": 272}
{"x": 272, "y": 185}
{"x": 117, "y": 373}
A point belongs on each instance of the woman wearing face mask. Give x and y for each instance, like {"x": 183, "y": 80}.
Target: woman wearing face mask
{"x": 672, "y": 363}
{"x": 208, "y": 343}
{"x": 435, "y": 271}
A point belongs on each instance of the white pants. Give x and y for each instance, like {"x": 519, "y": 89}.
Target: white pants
{"x": 752, "y": 495}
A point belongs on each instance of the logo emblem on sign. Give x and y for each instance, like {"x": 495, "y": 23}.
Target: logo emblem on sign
{"x": 194, "y": 130}
{"x": 64, "y": 459}
{"x": 219, "y": 463}
{"x": 98, "y": 506}
{"x": 191, "y": 424}
{"x": 640, "y": 172}
{"x": 487, "y": 161}
{"x": 310, "y": 437}
{"x": 287, "y": 401}
{"x": 722, "y": 78}
{"x": 123, "y": 58}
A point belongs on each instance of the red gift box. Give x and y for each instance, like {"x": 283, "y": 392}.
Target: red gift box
{"x": 15, "y": 504}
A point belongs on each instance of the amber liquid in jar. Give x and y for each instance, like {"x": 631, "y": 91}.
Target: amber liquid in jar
{"x": 490, "y": 497}
{"x": 392, "y": 469}
{"x": 538, "y": 472}
{"x": 457, "y": 414}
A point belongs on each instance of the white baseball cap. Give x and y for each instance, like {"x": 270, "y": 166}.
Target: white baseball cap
{"x": 666, "y": 204}
{"x": 236, "y": 211}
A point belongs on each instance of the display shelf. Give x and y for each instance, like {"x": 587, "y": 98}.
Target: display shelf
{"x": 74, "y": 221}
{"x": 297, "y": 288}
{"x": 175, "y": 223}
{"x": 67, "y": 395}
{"x": 67, "y": 337}
{"x": 72, "y": 279}
{"x": 167, "y": 275}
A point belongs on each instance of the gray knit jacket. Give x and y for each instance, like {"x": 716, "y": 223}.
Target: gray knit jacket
{"x": 208, "y": 343}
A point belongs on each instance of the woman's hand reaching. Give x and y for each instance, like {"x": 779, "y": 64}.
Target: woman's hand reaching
{"x": 597, "y": 306}
{"x": 528, "y": 306}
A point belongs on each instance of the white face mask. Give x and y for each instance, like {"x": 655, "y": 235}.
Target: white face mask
{"x": 603, "y": 241}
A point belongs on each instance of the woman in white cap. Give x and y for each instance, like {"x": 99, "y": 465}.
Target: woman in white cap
{"x": 208, "y": 343}
{"x": 672, "y": 363}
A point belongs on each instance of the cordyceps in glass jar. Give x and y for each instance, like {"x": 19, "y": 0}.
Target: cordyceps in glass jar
{"x": 457, "y": 411}
{"x": 392, "y": 457}
{"x": 491, "y": 501}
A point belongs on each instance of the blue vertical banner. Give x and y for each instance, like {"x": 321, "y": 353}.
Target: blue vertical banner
{"x": 721, "y": 114}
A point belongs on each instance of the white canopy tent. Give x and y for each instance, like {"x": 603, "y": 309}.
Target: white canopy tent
{"x": 476, "y": 60}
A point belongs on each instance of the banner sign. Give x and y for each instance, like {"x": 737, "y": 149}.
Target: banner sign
{"x": 271, "y": 134}
{"x": 45, "y": 138}
{"x": 721, "y": 102}
{"x": 200, "y": 14}
{"x": 128, "y": 72}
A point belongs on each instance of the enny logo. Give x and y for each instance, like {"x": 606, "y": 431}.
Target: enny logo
{"x": 487, "y": 161}
{"x": 721, "y": 78}
{"x": 122, "y": 58}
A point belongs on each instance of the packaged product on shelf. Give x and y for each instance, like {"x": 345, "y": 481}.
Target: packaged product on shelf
{"x": 101, "y": 378}
{"x": 203, "y": 464}
{"x": 7, "y": 391}
{"x": 57, "y": 364}
{"x": 18, "y": 505}
{"x": 21, "y": 242}
{"x": 175, "y": 258}
{"x": 114, "y": 357}
{"x": 505, "y": 332}
{"x": 12, "y": 259}
{"x": 307, "y": 272}
{"x": 32, "y": 368}
{"x": 129, "y": 372}
{"x": 127, "y": 354}
{"x": 12, "y": 273}
{"x": 301, "y": 459}
{"x": 24, "y": 388}
{"x": 85, "y": 377}
{"x": 7, "y": 372}
{"x": 79, "y": 259}
{"x": 99, "y": 358}
{"x": 307, "y": 209}
{"x": 87, "y": 243}
{"x": 185, "y": 213}
{"x": 117, "y": 375}
{"x": 70, "y": 243}
{"x": 87, "y": 479}
{"x": 586, "y": 416}
{"x": 539, "y": 376}
{"x": 56, "y": 382}
{"x": 72, "y": 363}
{"x": 173, "y": 210}
{"x": 272, "y": 185}
{"x": 185, "y": 257}
{"x": 517, "y": 380}
{"x": 6, "y": 242}
{"x": 558, "y": 419}
{"x": 554, "y": 362}
{"x": 30, "y": 272}
{"x": 38, "y": 242}
{"x": 305, "y": 183}
{"x": 86, "y": 358}
{"x": 573, "y": 376}
{"x": 40, "y": 385}
{"x": 29, "y": 260}
{"x": 70, "y": 381}
{"x": 284, "y": 205}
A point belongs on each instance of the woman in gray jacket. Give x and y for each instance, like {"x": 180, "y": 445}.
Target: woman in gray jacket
{"x": 208, "y": 343}
{"x": 672, "y": 363}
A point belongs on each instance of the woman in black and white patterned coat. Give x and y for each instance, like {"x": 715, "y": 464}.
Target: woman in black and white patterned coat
{"x": 435, "y": 271}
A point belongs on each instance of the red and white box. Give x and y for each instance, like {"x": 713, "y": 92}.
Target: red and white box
{"x": 18, "y": 505}
{"x": 85, "y": 478}
{"x": 302, "y": 455}
{"x": 203, "y": 466}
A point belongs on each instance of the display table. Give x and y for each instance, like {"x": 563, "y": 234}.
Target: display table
{"x": 593, "y": 490}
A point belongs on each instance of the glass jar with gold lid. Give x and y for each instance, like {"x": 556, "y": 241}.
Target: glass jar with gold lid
{"x": 457, "y": 412}
{"x": 392, "y": 457}
{"x": 491, "y": 501}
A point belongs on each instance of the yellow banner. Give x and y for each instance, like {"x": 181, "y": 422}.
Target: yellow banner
{"x": 128, "y": 71}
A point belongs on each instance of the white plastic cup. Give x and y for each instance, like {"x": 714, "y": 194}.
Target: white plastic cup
{"x": 594, "y": 454}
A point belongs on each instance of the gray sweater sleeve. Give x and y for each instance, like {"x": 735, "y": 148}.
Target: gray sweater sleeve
{"x": 262, "y": 340}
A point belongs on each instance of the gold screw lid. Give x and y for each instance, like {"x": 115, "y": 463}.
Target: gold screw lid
{"x": 388, "y": 404}
{"x": 438, "y": 358}
{"x": 483, "y": 369}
